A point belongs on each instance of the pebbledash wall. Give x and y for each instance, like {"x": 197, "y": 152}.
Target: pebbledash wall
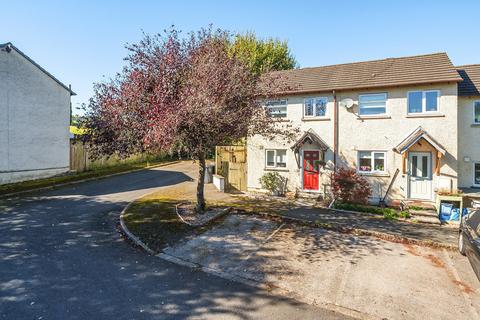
{"x": 468, "y": 141}
{"x": 34, "y": 121}
{"x": 378, "y": 133}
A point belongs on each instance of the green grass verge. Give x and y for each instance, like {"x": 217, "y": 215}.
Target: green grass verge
{"x": 71, "y": 177}
{"x": 155, "y": 222}
{"x": 387, "y": 213}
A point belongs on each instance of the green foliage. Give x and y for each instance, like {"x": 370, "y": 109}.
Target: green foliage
{"x": 415, "y": 208}
{"x": 390, "y": 215}
{"x": 387, "y": 213}
{"x": 405, "y": 214}
{"x": 262, "y": 55}
{"x": 273, "y": 182}
{"x": 350, "y": 187}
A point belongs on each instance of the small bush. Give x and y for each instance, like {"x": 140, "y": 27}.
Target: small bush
{"x": 390, "y": 215}
{"x": 387, "y": 213}
{"x": 415, "y": 208}
{"x": 405, "y": 214}
{"x": 273, "y": 182}
{"x": 349, "y": 187}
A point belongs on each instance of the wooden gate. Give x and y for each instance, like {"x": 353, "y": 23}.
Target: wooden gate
{"x": 231, "y": 163}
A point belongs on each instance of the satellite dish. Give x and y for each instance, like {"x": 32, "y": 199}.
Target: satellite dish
{"x": 346, "y": 103}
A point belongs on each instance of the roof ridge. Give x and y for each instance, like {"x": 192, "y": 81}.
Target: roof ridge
{"x": 366, "y": 61}
{"x": 467, "y": 65}
{"x": 69, "y": 89}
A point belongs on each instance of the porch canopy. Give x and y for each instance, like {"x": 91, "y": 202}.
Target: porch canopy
{"x": 309, "y": 137}
{"x": 414, "y": 138}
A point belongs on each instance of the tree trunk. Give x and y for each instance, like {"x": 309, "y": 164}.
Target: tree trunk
{"x": 200, "y": 186}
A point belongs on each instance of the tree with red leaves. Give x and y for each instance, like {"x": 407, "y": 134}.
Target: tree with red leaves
{"x": 192, "y": 91}
{"x": 349, "y": 187}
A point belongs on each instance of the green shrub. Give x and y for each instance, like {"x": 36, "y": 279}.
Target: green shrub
{"x": 387, "y": 213}
{"x": 350, "y": 187}
{"x": 405, "y": 214}
{"x": 273, "y": 182}
{"x": 390, "y": 215}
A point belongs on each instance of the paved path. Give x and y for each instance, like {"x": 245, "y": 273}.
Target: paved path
{"x": 62, "y": 258}
{"x": 376, "y": 277}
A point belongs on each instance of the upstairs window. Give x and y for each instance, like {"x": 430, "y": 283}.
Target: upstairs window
{"x": 276, "y": 158}
{"x": 372, "y": 104}
{"x": 277, "y": 108}
{"x": 423, "y": 101}
{"x": 476, "y": 112}
{"x": 315, "y": 107}
{"x": 371, "y": 161}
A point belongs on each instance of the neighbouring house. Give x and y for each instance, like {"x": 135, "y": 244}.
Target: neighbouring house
{"x": 418, "y": 114}
{"x": 34, "y": 119}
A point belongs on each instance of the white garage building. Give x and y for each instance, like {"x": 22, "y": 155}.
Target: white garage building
{"x": 34, "y": 119}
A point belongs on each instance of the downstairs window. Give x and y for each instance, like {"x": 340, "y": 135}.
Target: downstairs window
{"x": 276, "y": 158}
{"x": 371, "y": 161}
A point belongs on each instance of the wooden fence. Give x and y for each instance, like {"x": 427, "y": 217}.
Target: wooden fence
{"x": 231, "y": 163}
{"x": 80, "y": 161}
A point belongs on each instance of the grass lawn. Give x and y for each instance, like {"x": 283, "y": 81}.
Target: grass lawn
{"x": 70, "y": 177}
{"x": 152, "y": 218}
{"x": 155, "y": 222}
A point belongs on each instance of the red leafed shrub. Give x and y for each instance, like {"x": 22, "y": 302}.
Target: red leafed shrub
{"x": 348, "y": 186}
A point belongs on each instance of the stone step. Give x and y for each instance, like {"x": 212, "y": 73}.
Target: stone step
{"x": 309, "y": 195}
{"x": 424, "y": 213}
{"x": 425, "y": 205}
{"x": 426, "y": 219}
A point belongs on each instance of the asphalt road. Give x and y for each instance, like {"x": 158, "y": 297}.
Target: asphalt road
{"x": 62, "y": 258}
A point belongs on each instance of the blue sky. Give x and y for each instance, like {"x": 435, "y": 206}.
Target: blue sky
{"x": 80, "y": 42}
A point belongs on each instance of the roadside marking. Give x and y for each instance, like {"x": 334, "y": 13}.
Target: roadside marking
{"x": 265, "y": 241}
{"x": 467, "y": 298}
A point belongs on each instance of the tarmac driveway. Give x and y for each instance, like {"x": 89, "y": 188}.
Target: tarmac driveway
{"x": 62, "y": 258}
{"x": 320, "y": 267}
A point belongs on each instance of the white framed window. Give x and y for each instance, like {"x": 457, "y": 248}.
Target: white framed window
{"x": 276, "y": 158}
{"x": 277, "y": 108}
{"x": 476, "y": 174}
{"x": 372, "y": 104}
{"x": 315, "y": 107}
{"x": 372, "y": 161}
{"x": 423, "y": 101}
{"x": 476, "y": 112}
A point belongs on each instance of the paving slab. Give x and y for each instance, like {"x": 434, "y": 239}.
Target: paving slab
{"x": 375, "y": 277}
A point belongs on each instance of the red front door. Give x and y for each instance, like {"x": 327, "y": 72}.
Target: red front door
{"x": 310, "y": 170}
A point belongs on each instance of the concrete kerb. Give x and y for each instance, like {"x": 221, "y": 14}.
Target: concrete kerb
{"x": 129, "y": 234}
{"x": 215, "y": 217}
{"x": 272, "y": 289}
{"x": 17, "y": 193}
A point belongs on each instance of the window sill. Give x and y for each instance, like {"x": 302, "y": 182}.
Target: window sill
{"x": 374, "y": 174}
{"x": 426, "y": 115}
{"x": 475, "y": 125}
{"x": 276, "y": 169}
{"x": 380, "y": 116}
{"x": 315, "y": 119}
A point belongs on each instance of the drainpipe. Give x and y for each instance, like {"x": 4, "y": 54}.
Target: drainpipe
{"x": 335, "y": 129}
